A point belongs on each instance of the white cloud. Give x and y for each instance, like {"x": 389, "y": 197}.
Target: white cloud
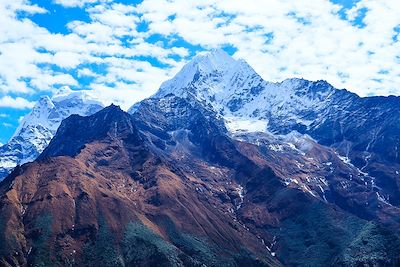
{"x": 128, "y": 81}
{"x": 18, "y": 102}
{"x": 46, "y": 81}
{"x": 279, "y": 38}
{"x": 310, "y": 39}
{"x": 77, "y": 3}
{"x": 21, "y": 6}
{"x": 29, "y": 53}
{"x": 86, "y": 73}
{"x": 68, "y": 60}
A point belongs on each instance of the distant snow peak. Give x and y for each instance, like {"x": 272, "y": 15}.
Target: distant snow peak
{"x": 38, "y": 127}
{"x": 63, "y": 91}
{"x": 83, "y": 96}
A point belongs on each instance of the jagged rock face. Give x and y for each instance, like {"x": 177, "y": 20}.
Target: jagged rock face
{"x": 364, "y": 130}
{"x": 110, "y": 122}
{"x": 39, "y": 126}
{"x": 169, "y": 186}
{"x": 320, "y": 172}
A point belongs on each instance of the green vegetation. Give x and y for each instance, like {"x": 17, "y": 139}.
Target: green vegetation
{"x": 141, "y": 245}
{"x": 102, "y": 250}
{"x": 373, "y": 246}
{"x": 3, "y": 239}
{"x": 40, "y": 255}
{"x": 202, "y": 251}
{"x": 198, "y": 249}
{"x": 318, "y": 238}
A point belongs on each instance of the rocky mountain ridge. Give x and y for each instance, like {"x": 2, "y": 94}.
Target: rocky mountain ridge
{"x": 168, "y": 186}
{"x": 364, "y": 131}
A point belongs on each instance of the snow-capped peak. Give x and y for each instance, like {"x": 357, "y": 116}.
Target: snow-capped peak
{"x": 63, "y": 91}
{"x": 49, "y": 113}
{"x": 38, "y": 116}
{"x": 45, "y": 101}
{"x": 39, "y": 126}
{"x": 233, "y": 89}
{"x": 216, "y": 66}
{"x": 68, "y": 95}
{"x": 217, "y": 59}
{"x": 213, "y": 77}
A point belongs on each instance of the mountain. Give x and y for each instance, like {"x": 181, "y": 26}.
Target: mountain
{"x": 39, "y": 126}
{"x": 237, "y": 92}
{"x": 168, "y": 186}
{"x": 364, "y": 131}
{"x": 108, "y": 191}
{"x": 219, "y": 168}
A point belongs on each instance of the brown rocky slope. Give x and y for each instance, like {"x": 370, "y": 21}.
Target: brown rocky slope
{"x": 168, "y": 187}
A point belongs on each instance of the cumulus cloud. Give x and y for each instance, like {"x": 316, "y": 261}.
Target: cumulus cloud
{"x": 125, "y": 51}
{"x": 35, "y": 59}
{"x": 86, "y": 72}
{"x": 77, "y": 3}
{"x": 283, "y": 39}
{"x": 17, "y": 103}
{"x": 21, "y": 6}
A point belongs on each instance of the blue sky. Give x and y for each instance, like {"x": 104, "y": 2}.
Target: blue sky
{"x": 122, "y": 50}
